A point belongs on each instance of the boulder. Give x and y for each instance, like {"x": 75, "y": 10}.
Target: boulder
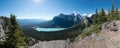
{"x": 111, "y": 26}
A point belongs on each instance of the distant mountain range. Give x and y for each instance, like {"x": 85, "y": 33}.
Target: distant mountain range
{"x": 59, "y": 21}
{"x": 64, "y": 21}
{"x": 29, "y": 21}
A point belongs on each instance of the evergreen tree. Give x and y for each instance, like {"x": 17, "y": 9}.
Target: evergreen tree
{"x": 97, "y": 12}
{"x": 95, "y": 17}
{"x": 109, "y": 15}
{"x": 102, "y": 13}
{"x": 117, "y": 13}
{"x": 102, "y": 16}
{"x": 15, "y": 36}
{"x": 112, "y": 11}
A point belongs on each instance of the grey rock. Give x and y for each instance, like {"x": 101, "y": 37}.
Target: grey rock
{"x": 2, "y": 32}
{"x": 111, "y": 26}
{"x": 51, "y": 44}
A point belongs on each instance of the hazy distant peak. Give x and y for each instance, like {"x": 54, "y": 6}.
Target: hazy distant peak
{"x": 75, "y": 13}
{"x": 119, "y": 10}
{"x": 61, "y": 14}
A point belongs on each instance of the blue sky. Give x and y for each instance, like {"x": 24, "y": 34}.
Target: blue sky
{"x": 47, "y": 9}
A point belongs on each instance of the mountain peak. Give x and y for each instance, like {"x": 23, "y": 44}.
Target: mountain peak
{"x": 75, "y": 13}
{"x": 64, "y": 20}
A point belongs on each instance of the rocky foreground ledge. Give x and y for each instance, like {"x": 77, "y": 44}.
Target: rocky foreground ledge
{"x": 51, "y": 44}
{"x": 109, "y": 37}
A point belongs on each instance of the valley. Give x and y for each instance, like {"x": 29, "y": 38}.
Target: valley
{"x": 59, "y": 24}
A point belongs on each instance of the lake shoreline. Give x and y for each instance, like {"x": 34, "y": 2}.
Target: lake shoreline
{"x": 49, "y": 29}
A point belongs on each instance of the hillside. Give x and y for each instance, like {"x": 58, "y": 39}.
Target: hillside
{"x": 108, "y": 37}
{"x": 99, "y": 29}
{"x": 11, "y": 35}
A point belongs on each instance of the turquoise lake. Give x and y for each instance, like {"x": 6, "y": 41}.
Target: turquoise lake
{"x": 49, "y": 29}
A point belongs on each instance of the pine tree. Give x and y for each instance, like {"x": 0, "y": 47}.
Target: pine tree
{"x": 15, "y": 36}
{"x": 102, "y": 16}
{"x": 117, "y": 13}
{"x": 102, "y": 13}
{"x": 112, "y": 11}
{"x": 109, "y": 15}
{"x": 95, "y": 17}
{"x": 108, "y": 12}
{"x": 97, "y": 12}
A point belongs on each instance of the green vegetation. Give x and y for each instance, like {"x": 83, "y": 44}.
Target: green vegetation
{"x": 63, "y": 34}
{"x": 102, "y": 16}
{"x": 90, "y": 30}
{"x": 83, "y": 29}
{"x": 15, "y": 37}
{"x": 99, "y": 18}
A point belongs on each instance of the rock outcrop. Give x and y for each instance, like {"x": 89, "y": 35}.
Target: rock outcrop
{"x": 2, "y": 32}
{"x": 51, "y": 44}
{"x": 107, "y": 38}
{"x": 112, "y": 26}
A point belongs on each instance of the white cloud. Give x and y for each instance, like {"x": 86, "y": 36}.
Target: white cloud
{"x": 89, "y": 15}
{"x": 84, "y": 14}
{"x": 119, "y": 10}
{"x": 35, "y": 17}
